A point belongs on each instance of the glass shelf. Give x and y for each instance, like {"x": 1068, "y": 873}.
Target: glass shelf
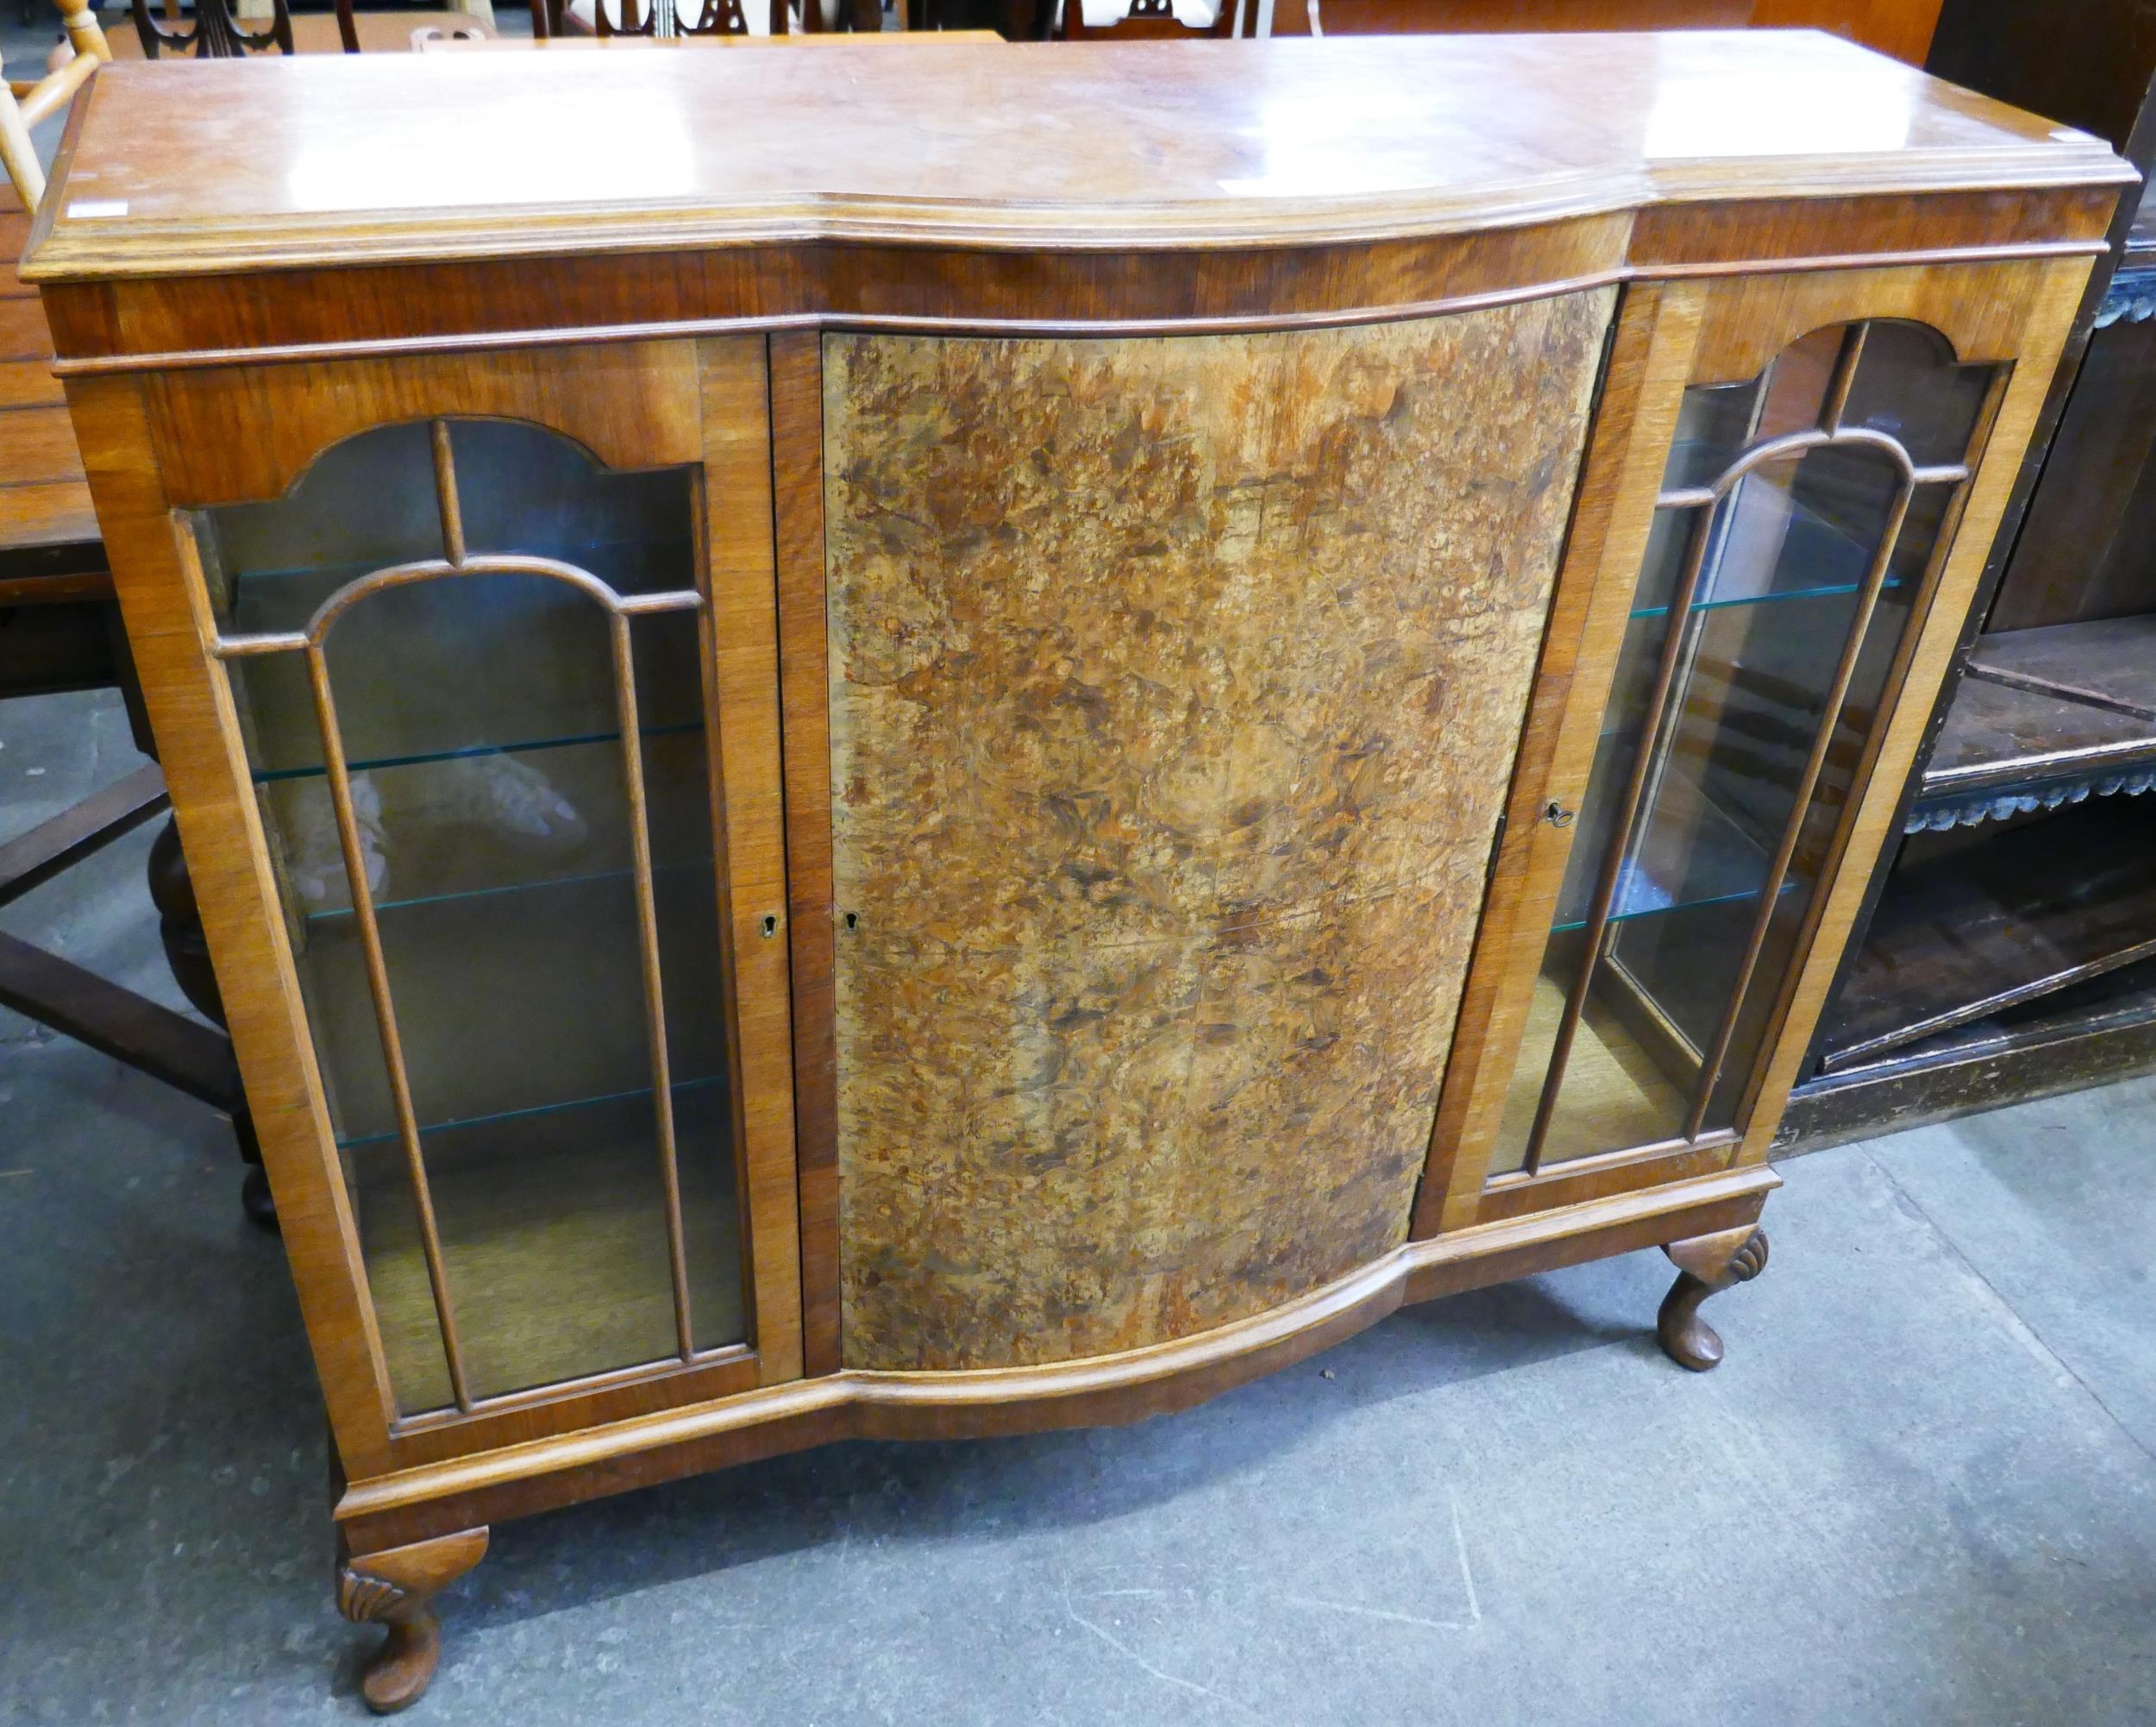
{"x": 1783, "y": 532}
{"x": 464, "y": 824}
{"x": 1833, "y": 591}
{"x": 408, "y": 687}
{"x": 678, "y": 1089}
{"x": 511, "y": 1003}
{"x": 520, "y": 747}
{"x": 338, "y": 912}
{"x": 1692, "y": 853}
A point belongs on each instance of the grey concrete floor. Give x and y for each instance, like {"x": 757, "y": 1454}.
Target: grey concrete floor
{"x": 1920, "y": 1489}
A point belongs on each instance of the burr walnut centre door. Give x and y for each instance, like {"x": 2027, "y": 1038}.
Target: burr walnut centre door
{"x": 1176, "y": 685}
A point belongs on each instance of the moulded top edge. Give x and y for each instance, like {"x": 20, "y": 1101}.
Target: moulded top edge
{"x": 178, "y": 168}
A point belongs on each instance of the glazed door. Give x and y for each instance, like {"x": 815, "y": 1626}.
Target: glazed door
{"x": 497, "y": 639}
{"x": 1791, "y": 464}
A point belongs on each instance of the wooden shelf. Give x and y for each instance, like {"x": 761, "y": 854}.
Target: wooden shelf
{"x": 1961, "y": 937}
{"x": 2109, "y": 663}
{"x": 2045, "y": 716}
{"x": 2107, "y": 1002}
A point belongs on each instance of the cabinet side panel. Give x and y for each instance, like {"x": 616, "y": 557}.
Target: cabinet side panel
{"x": 198, "y": 746}
{"x": 1175, "y": 685}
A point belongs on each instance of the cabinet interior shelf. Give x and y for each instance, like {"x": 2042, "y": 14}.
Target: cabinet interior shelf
{"x": 2034, "y": 910}
{"x": 516, "y": 1007}
{"x": 1692, "y": 853}
{"x": 1811, "y": 557}
{"x": 2112, "y": 1003}
{"x": 2045, "y": 716}
{"x": 532, "y": 1112}
{"x": 555, "y": 1247}
{"x": 264, "y": 777}
{"x": 1824, "y": 591}
{"x": 333, "y": 915}
{"x": 1616, "y": 1095}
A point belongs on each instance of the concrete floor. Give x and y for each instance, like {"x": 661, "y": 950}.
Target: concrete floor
{"x": 1920, "y": 1489}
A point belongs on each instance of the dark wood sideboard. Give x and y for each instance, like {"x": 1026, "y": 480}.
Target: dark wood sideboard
{"x": 2008, "y": 950}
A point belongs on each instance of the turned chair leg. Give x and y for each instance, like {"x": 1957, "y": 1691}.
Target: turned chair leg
{"x": 392, "y": 1589}
{"x": 187, "y": 952}
{"x": 1707, "y": 1265}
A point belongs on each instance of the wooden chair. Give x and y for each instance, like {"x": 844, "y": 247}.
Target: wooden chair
{"x": 60, "y": 631}
{"x": 218, "y": 33}
{"x": 667, "y": 19}
{"x": 670, "y": 19}
{"x": 1153, "y": 20}
{"x": 26, "y": 103}
{"x": 220, "y": 27}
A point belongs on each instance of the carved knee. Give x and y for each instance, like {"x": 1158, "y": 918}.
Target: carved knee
{"x": 1707, "y": 1265}
{"x": 393, "y": 1589}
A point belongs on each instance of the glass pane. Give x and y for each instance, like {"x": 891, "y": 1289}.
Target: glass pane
{"x": 1690, "y": 865}
{"x": 557, "y": 1220}
{"x": 1909, "y": 386}
{"x": 527, "y": 491}
{"x": 1796, "y": 383}
{"x": 482, "y": 740}
{"x": 1713, "y": 425}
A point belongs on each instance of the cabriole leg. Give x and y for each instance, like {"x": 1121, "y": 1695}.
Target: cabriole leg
{"x": 1707, "y": 1265}
{"x": 392, "y": 1589}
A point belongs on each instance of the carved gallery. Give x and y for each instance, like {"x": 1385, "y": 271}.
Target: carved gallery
{"x": 993, "y": 861}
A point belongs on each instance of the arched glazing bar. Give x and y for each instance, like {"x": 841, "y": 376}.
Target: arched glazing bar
{"x": 312, "y": 643}
{"x": 1708, "y": 505}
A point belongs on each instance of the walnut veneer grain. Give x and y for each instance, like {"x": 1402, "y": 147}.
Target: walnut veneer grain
{"x": 1174, "y": 689}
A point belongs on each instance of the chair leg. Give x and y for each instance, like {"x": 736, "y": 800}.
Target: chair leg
{"x": 187, "y": 952}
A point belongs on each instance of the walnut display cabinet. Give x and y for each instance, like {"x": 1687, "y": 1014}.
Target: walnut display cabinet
{"x": 1042, "y": 744}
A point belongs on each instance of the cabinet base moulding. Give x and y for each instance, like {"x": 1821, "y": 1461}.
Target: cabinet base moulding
{"x": 436, "y": 1499}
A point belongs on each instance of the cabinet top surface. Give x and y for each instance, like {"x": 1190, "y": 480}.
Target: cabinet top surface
{"x": 189, "y": 165}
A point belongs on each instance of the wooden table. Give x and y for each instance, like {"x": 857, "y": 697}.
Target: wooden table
{"x": 60, "y": 631}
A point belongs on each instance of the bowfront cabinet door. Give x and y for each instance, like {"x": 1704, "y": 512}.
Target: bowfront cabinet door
{"x": 493, "y": 645}
{"x": 1800, "y": 501}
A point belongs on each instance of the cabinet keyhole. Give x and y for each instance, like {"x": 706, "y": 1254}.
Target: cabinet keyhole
{"x": 770, "y": 925}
